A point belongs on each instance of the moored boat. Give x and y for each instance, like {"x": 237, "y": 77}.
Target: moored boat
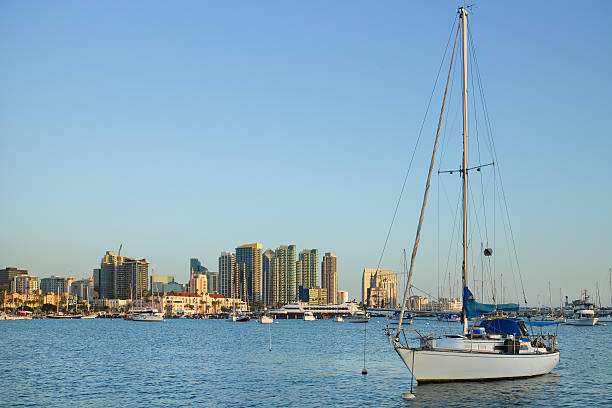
{"x": 495, "y": 346}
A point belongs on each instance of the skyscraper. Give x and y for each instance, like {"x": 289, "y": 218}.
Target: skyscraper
{"x": 226, "y": 273}
{"x": 267, "y": 269}
{"x": 54, "y": 284}
{"x": 329, "y": 276}
{"x": 307, "y": 268}
{"x": 196, "y": 266}
{"x": 284, "y": 269}
{"x": 122, "y": 277}
{"x": 7, "y": 274}
{"x": 379, "y": 287}
{"x": 250, "y": 256}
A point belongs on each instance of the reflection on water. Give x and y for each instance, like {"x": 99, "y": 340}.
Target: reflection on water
{"x": 188, "y": 363}
{"x": 520, "y": 392}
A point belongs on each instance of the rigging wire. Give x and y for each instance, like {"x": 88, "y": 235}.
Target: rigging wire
{"x": 399, "y": 200}
{"x": 494, "y": 154}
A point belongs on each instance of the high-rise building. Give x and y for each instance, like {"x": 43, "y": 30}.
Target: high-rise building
{"x": 307, "y": 269}
{"x": 83, "y": 288}
{"x": 379, "y": 288}
{"x": 54, "y": 284}
{"x": 196, "y": 266}
{"x": 24, "y": 284}
{"x": 329, "y": 276}
{"x": 212, "y": 282}
{"x": 250, "y": 256}
{"x": 122, "y": 277}
{"x": 227, "y": 261}
{"x": 284, "y": 269}
{"x": 198, "y": 284}
{"x": 267, "y": 283}
{"x": 96, "y": 279}
{"x": 7, "y": 274}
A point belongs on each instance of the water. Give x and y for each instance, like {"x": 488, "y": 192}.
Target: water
{"x": 190, "y": 363}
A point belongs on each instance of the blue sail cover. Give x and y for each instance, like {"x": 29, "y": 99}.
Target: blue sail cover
{"x": 474, "y": 309}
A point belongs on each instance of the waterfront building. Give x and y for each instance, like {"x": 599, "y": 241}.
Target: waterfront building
{"x": 198, "y": 283}
{"x": 117, "y": 304}
{"x": 444, "y": 305}
{"x": 122, "y": 277}
{"x": 157, "y": 282}
{"x": 24, "y": 284}
{"x": 267, "y": 281}
{"x": 212, "y": 282}
{"x": 83, "y": 289}
{"x": 379, "y": 288}
{"x": 181, "y": 303}
{"x": 307, "y": 268}
{"x": 316, "y": 296}
{"x": 329, "y": 275}
{"x": 50, "y": 298}
{"x": 284, "y": 264}
{"x": 227, "y": 267}
{"x": 16, "y": 300}
{"x": 417, "y": 302}
{"x": 7, "y": 274}
{"x": 250, "y": 256}
{"x": 342, "y": 296}
{"x": 69, "y": 282}
{"x": 215, "y": 303}
{"x": 54, "y": 284}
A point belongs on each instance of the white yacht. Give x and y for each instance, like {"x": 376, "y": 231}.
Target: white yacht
{"x": 583, "y": 317}
{"x": 148, "y": 316}
{"x": 309, "y": 317}
{"x": 266, "y": 319}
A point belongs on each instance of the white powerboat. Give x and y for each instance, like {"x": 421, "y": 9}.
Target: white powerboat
{"x": 148, "y": 316}
{"x": 583, "y": 317}
{"x": 309, "y": 317}
{"x": 266, "y": 319}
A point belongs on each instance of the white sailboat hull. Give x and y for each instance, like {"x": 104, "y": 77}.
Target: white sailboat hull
{"x": 153, "y": 317}
{"x": 433, "y": 365}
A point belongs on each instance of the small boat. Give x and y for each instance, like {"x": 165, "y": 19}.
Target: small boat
{"x": 449, "y": 317}
{"x": 359, "y": 318}
{"x": 90, "y": 316}
{"x": 64, "y": 316}
{"x": 148, "y": 316}
{"x": 266, "y": 319}
{"x": 338, "y": 319}
{"x": 309, "y": 317}
{"x": 242, "y": 318}
{"x": 583, "y": 317}
{"x": 395, "y": 318}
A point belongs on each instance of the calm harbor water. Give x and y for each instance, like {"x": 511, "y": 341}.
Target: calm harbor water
{"x": 187, "y": 363}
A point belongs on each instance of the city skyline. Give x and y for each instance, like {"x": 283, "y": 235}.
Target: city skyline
{"x": 172, "y": 141}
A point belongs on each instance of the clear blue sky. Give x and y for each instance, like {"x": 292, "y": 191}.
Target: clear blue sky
{"x": 185, "y": 129}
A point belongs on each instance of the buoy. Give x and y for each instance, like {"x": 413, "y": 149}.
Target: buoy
{"x": 364, "y": 371}
{"x": 408, "y": 396}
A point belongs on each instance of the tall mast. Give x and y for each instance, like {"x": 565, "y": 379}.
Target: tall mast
{"x": 463, "y": 14}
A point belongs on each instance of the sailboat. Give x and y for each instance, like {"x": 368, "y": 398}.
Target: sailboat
{"x": 494, "y": 347}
